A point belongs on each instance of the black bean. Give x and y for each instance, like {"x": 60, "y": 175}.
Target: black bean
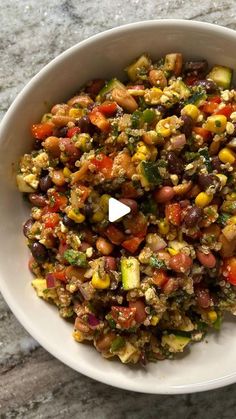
{"x": 27, "y": 227}
{"x": 207, "y": 180}
{"x": 216, "y": 163}
{"x": 38, "y": 200}
{"x": 161, "y": 109}
{"x": 39, "y": 252}
{"x": 187, "y": 126}
{"x": 68, "y": 222}
{"x": 207, "y": 85}
{"x": 193, "y": 216}
{"x": 37, "y": 144}
{"x": 175, "y": 164}
{"x": 85, "y": 125}
{"x": 62, "y": 132}
{"x": 197, "y": 67}
{"x": 45, "y": 183}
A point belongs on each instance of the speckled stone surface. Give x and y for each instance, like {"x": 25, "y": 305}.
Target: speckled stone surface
{"x": 33, "y": 384}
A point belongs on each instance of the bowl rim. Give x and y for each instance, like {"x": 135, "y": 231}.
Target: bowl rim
{"x": 17, "y": 309}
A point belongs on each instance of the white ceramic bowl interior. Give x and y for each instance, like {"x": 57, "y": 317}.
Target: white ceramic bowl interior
{"x": 207, "y": 365}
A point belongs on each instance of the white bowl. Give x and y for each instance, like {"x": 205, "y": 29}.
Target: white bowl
{"x": 207, "y": 365}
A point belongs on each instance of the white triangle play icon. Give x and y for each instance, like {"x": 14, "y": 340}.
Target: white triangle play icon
{"x": 116, "y": 210}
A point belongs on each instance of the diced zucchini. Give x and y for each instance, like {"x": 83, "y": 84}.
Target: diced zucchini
{"x": 222, "y": 76}
{"x": 40, "y": 285}
{"x": 176, "y": 343}
{"x": 181, "y": 88}
{"x": 135, "y": 69}
{"x": 197, "y": 98}
{"x": 150, "y": 174}
{"x": 22, "y": 185}
{"x": 109, "y": 86}
{"x": 173, "y": 63}
{"x": 130, "y": 273}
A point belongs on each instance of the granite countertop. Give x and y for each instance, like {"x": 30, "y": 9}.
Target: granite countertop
{"x": 33, "y": 384}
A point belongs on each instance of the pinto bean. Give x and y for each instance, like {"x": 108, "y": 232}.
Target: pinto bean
{"x": 104, "y": 246}
{"x": 82, "y": 100}
{"x": 103, "y": 343}
{"x": 164, "y": 194}
{"x": 180, "y": 262}
{"x": 60, "y": 109}
{"x": 182, "y": 188}
{"x": 157, "y": 78}
{"x": 51, "y": 144}
{"x": 203, "y": 297}
{"x": 130, "y": 203}
{"x": 62, "y": 120}
{"x": 208, "y": 260}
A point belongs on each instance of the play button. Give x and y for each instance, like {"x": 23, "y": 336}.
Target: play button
{"x": 116, "y": 210}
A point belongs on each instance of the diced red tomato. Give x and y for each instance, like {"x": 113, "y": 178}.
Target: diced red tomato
{"x": 226, "y": 111}
{"x": 229, "y": 270}
{"x": 205, "y": 134}
{"x": 159, "y": 277}
{"x": 84, "y": 192}
{"x": 42, "y": 131}
{"x": 173, "y": 213}
{"x": 114, "y": 235}
{"x": 124, "y": 316}
{"x": 140, "y": 314}
{"x": 103, "y": 164}
{"x": 73, "y": 131}
{"x": 97, "y": 118}
{"x": 128, "y": 190}
{"x": 180, "y": 262}
{"x": 107, "y": 108}
{"x": 57, "y": 202}
{"x": 51, "y": 219}
{"x": 132, "y": 244}
{"x": 136, "y": 224}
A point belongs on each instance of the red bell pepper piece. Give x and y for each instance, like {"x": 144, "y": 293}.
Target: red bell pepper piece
{"x": 132, "y": 244}
{"x": 173, "y": 213}
{"x": 42, "y": 130}
{"x": 137, "y": 224}
{"x": 51, "y": 220}
{"x": 57, "y": 202}
{"x": 159, "y": 277}
{"x": 209, "y": 107}
{"x": 229, "y": 270}
{"x": 226, "y": 111}
{"x": 205, "y": 134}
{"x": 108, "y": 108}
{"x": 103, "y": 164}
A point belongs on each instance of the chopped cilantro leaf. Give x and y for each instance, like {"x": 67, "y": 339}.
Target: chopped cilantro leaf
{"x": 157, "y": 263}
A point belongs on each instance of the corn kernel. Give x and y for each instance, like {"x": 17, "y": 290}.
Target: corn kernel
{"x": 46, "y": 117}
{"x": 75, "y": 113}
{"x": 104, "y": 201}
{"x": 223, "y": 179}
{"x": 98, "y": 216}
{"x": 66, "y": 172}
{"x": 212, "y": 315}
{"x": 83, "y": 142}
{"x": 203, "y": 199}
{"x": 216, "y": 123}
{"x": 77, "y": 217}
{"x": 78, "y": 336}
{"x": 142, "y": 153}
{"x": 152, "y": 96}
{"x": 232, "y": 220}
{"x": 226, "y": 155}
{"x": 164, "y": 132}
{"x": 191, "y": 110}
{"x": 154, "y": 320}
{"x": 163, "y": 227}
{"x": 100, "y": 283}
{"x": 172, "y": 252}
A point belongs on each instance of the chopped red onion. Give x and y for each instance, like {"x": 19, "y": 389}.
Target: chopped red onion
{"x": 92, "y": 320}
{"x": 50, "y": 279}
